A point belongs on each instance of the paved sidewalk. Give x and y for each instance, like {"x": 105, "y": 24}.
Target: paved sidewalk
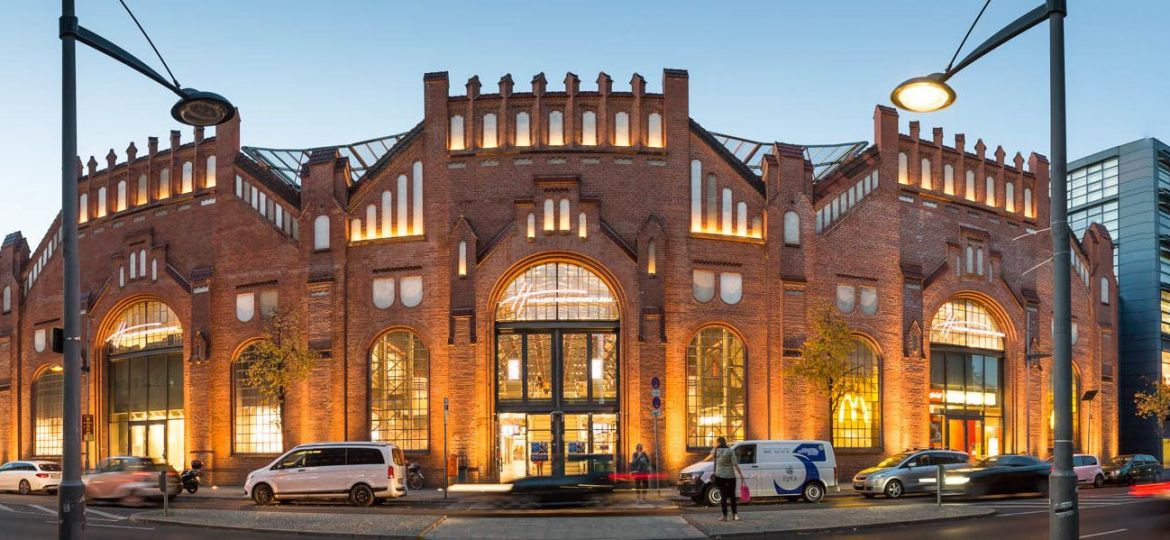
{"x": 772, "y": 522}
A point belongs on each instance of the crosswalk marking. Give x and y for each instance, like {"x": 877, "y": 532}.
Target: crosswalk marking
{"x": 6, "y": 509}
{"x": 44, "y": 509}
{"x": 105, "y": 514}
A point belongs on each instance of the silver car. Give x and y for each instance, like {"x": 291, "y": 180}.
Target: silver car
{"x": 913, "y": 471}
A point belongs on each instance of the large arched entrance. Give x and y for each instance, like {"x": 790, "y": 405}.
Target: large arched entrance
{"x": 144, "y": 351}
{"x": 966, "y": 379}
{"x": 556, "y": 338}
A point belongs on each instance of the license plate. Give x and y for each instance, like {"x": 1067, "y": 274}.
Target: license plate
{"x": 55, "y": 475}
{"x": 858, "y": 485}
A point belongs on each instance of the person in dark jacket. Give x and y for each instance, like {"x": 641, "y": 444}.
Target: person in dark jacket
{"x": 640, "y": 470}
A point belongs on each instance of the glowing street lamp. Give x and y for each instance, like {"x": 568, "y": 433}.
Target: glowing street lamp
{"x": 924, "y": 94}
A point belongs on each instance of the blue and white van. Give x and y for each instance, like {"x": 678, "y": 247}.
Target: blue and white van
{"x": 791, "y": 469}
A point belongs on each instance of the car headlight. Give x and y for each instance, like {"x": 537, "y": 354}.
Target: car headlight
{"x": 691, "y": 477}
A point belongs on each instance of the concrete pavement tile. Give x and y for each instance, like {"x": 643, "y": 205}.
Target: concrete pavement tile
{"x": 778, "y": 521}
{"x": 383, "y": 525}
{"x": 565, "y": 528}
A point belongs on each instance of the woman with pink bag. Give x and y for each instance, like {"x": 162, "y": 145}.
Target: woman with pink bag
{"x": 726, "y": 472}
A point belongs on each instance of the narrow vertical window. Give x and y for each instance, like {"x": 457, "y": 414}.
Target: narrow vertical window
{"x": 83, "y": 208}
{"x": 990, "y": 191}
{"x": 1028, "y": 210}
{"x": 712, "y": 204}
{"x": 240, "y": 187}
{"x": 121, "y": 196}
{"x": 696, "y": 195}
{"x": 531, "y": 230}
{"x": 256, "y": 416}
{"x": 164, "y": 183}
{"x": 652, "y": 259}
{"x": 903, "y": 169}
{"x": 489, "y": 130}
{"x": 564, "y": 217}
{"x": 791, "y": 228}
{"x": 715, "y": 392}
{"x": 402, "y": 199}
{"x": 924, "y": 174}
{"x": 142, "y": 262}
{"x": 979, "y": 261}
{"x": 455, "y": 137}
{"x": 589, "y": 128}
{"x": 462, "y": 257}
{"x": 757, "y": 228}
{"x": 7, "y": 301}
{"x": 143, "y": 190}
{"x": 188, "y": 177}
{"x": 399, "y": 390}
{"x": 371, "y": 222}
{"x": 416, "y": 172}
{"x": 621, "y": 129}
{"x": 969, "y": 186}
{"x": 101, "y": 209}
{"x": 741, "y": 219}
{"x": 355, "y": 230}
{"x": 948, "y": 180}
{"x": 48, "y": 413}
{"x": 387, "y": 214}
{"x": 556, "y": 128}
{"x": 1009, "y": 197}
{"x": 582, "y": 229}
{"x": 1104, "y": 292}
{"x": 321, "y": 233}
{"x": 970, "y": 260}
{"x": 654, "y": 130}
{"x": 726, "y": 210}
{"x": 209, "y": 174}
{"x": 523, "y": 136}
{"x": 550, "y": 218}
{"x": 133, "y": 265}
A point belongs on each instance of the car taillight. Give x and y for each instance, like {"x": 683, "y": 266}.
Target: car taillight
{"x": 42, "y": 475}
{"x": 389, "y": 471}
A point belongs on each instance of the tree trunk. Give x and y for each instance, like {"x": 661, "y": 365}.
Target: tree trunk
{"x": 286, "y": 437}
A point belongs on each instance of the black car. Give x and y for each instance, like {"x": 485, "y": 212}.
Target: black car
{"x": 596, "y": 480}
{"x": 1130, "y": 469}
{"x": 1006, "y": 474}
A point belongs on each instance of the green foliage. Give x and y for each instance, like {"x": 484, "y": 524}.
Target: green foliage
{"x": 1154, "y": 404}
{"x": 280, "y": 360}
{"x": 824, "y": 359}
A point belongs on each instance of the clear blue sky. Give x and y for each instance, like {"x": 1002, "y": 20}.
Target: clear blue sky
{"x": 316, "y": 73}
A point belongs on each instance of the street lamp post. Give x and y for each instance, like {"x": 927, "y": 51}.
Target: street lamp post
{"x": 931, "y": 93}
{"x": 194, "y": 108}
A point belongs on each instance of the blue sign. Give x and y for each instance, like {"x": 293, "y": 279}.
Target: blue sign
{"x": 812, "y": 452}
{"x": 655, "y": 383}
{"x": 656, "y": 403}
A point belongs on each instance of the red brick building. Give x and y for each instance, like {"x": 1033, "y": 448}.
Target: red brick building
{"x": 536, "y": 259}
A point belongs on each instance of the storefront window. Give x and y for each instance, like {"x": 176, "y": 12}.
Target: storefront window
{"x": 715, "y": 387}
{"x": 966, "y": 379}
{"x": 49, "y": 393}
{"x": 399, "y": 405}
{"x": 857, "y": 421}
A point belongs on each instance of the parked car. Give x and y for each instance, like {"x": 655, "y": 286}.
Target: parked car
{"x": 28, "y": 476}
{"x": 791, "y": 469}
{"x": 912, "y": 471}
{"x": 1131, "y": 469}
{"x": 363, "y": 472}
{"x": 1088, "y": 470}
{"x": 1004, "y": 474}
{"x": 130, "y": 480}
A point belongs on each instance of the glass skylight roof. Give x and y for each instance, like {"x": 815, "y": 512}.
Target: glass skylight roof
{"x": 824, "y": 157}
{"x": 287, "y": 162}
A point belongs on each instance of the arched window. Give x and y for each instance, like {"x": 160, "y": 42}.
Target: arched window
{"x": 726, "y": 213}
{"x": 143, "y": 190}
{"x": 121, "y": 204}
{"x": 791, "y": 228}
{"x": 731, "y": 287}
{"x": 209, "y": 174}
{"x": 556, "y": 128}
{"x": 989, "y": 191}
{"x": 188, "y": 177}
{"x": 462, "y": 257}
{"x": 715, "y": 387}
{"x": 857, "y": 420}
{"x": 489, "y": 130}
{"x": 621, "y": 129}
{"x": 550, "y": 218}
{"x": 6, "y": 304}
{"x": 703, "y": 287}
{"x": 741, "y": 224}
{"x": 321, "y": 233}
{"x": 101, "y": 209}
{"x": 164, "y": 183}
{"x": 969, "y": 186}
{"x": 1009, "y": 197}
{"x": 399, "y": 390}
{"x": 372, "y": 222}
{"x": 966, "y": 323}
{"x": 455, "y": 136}
{"x": 387, "y": 214}
{"x": 565, "y": 219}
{"x": 531, "y": 226}
{"x": 696, "y": 195}
{"x": 1028, "y": 210}
{"x": 948, "y": 179}
{"x": 903, "y": 168}
{"x": 48, "y": 410}
{"x": 523, "y": 133}
{"x": 651, "y": 259}
{"x": 557, "y": 291}
{"x": 654, "y": 130}
{"x": 256, "y": 418}
{"x": 588, "y": 128}
{"x": 924, "y": 174}
{"x": 83, "y": 208}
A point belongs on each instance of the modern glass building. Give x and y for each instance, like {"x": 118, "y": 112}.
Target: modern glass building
{"x": 1127, "y": 189}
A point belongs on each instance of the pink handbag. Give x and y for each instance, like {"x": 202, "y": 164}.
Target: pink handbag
{"x": 745, "y": 495}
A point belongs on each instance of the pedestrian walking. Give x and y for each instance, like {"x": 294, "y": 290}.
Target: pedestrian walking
{"x": 640, "y": 470}
{"x": 726, "y": 472}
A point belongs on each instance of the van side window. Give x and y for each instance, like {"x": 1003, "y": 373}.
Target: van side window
{"x": 746, "y": 454}
{"x": 364, "y": 456}
{"x": 399, "y": 456}
{"x": 295, "y": 459}
{"x": 325, "y": 457}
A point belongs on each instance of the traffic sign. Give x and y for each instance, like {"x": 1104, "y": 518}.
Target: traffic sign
{"x": 655, "y": 383}
{"x": 656, "y": 392}
{"x": 656, "y": 403}
{"x": 656, "y": 413}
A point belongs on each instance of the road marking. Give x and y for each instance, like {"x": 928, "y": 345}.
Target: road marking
{"x": 105, "y": 514}
{"x": 1024, "y": 513}
{"x": 1103, "y": 533}
{"x": 44, "y": 509}
{"x": 6, "y": 509}
{"x": 87, "y": 524}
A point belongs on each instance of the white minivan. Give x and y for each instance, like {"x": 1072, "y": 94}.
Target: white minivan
{"x": 363, "y": 472}
{"x": 791, "y": 469}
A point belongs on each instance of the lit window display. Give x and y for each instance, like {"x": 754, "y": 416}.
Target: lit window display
{"x": 715, "y": 387}
{"x": 557, "y": 291}
{"x": 399, "y": 403}
{"x": 257, "y": 418}
{"x": 966, "y": 380}
{"x": 49, "y": 395}
{"x": 857, "y": 420}
{"x": 966, "y": 323}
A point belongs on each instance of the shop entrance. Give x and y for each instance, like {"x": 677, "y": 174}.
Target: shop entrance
{"x": 966, "y": 380}
{"x": 557, "y": 356}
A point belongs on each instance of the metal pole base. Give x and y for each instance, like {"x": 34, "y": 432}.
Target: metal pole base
{"x": 71, "y": 509}
{"x": 1064, "y": 520}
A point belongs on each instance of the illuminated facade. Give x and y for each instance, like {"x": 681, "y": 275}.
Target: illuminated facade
{"x": 524, "y": 275}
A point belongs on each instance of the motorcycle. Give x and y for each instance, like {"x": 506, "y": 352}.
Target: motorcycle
{"x": 414, "y": 476}
{"x": 190, "y": 477}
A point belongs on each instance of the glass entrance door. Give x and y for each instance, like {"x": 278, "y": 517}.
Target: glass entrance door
{"x": 965, "y": 433}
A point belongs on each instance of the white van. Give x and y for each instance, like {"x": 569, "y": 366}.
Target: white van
{"x": 791, "y": 469}
{"x": 361, "y": 471}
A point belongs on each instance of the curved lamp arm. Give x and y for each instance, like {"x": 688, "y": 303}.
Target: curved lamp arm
{"x": 70, "y": 26}
{"x": 1026, "y": 21}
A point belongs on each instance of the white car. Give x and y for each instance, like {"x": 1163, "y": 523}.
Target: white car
{"x": 29, "y": 476}
{"x": 363, "y": 472}
{"x": 791, "y": 469}
{"x": 1088, "y": 469}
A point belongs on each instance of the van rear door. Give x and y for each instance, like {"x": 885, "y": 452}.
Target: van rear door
{"x": 745, "y": 455}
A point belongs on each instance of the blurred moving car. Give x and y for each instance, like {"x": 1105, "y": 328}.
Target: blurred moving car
{"x": 26, "y": 477}
{"x": 1129, "y": 469}
{"x": 912, "y": 471}
{"x": 130, "y": 480}
{"x": 363, "y": 472}
{"x": 790, "y": 469}
{"x": 597, "y": 480}
{"x": 1159, "y": 490}
{"x": 1003, "y": 474}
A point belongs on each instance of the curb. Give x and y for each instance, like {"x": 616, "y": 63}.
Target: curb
{"x": 841, "y": 529}
{"x": 139, "y": 518}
